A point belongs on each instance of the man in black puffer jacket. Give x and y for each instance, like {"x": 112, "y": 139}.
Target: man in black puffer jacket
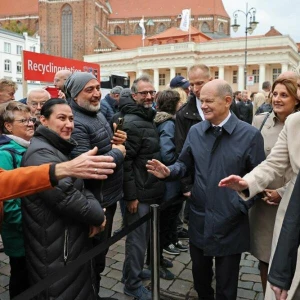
{"x": 140, "y": 188}
{"x": 91, "y": 129}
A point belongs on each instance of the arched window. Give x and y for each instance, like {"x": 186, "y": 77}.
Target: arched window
{"x": 161, "y": 27}
{"x": 205, "y": 27}
{"x": 117, "y": 30}
{"x": 67, "y": 31}
{"x": 19, "y": 67}
{"x": 99, "y": 44}
{"x": 221, "y": 27}
{"x": 7, "y": 65}
{"x": 138, "y": 29}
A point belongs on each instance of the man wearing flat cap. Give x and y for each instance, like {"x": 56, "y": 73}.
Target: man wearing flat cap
{"x": 110, "y": 103}
{"x": 91, "y": 129}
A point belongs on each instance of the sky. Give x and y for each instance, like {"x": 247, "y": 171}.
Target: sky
{"x": 282, "y": 14}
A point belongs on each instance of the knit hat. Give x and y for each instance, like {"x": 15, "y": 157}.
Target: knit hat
{"x": 116, "y": 90}
{"x": 77, "y": 81}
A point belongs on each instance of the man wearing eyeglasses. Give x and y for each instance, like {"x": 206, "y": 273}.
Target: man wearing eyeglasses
{"x": 140, "y": 188}
{"x": 36, "y": 98}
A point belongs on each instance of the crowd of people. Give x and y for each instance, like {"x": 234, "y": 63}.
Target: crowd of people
{"x": 72, "y": 158}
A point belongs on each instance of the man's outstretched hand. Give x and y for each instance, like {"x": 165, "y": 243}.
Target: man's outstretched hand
{"x": 157, "y": 168}
{"x": 234, "y": 182}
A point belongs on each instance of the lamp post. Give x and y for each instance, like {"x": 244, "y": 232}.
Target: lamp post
{"x": 248, "y": 29}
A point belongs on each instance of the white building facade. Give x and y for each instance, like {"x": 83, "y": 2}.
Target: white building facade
{"x": 267, "y": 57}
{"x": 11, "y": 48}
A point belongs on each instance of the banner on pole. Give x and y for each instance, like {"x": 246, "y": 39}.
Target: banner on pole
{"x": 185, "y": 20}
{"x": 141, "y": 24}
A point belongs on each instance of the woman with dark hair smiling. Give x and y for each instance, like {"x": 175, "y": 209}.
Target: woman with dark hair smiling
{"x": 59, "y": 222}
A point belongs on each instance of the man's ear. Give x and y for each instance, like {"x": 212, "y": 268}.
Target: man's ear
{"x": 228, "y": 100}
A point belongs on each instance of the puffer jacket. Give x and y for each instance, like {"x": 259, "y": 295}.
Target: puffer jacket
{"x": 142, "y": 145}
{"x": 92, "y": 129}
{"x": 57, "y": 222}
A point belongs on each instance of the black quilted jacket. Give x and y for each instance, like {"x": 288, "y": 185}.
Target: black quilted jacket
{"x": 142, "y": 144}
{"x": 92, "y": 129}
{"x": 56, "y": 224}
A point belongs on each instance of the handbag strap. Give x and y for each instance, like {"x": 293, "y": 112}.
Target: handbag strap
{"x": 264, "y": 121}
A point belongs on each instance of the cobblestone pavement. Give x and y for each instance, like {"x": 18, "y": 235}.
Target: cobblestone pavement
{"x": 180, "y": 288}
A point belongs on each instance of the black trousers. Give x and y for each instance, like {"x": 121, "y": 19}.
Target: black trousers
{"x": 18, "y": 282}
{"x": 102, "y": 237}
{"x": 227, "y": 275}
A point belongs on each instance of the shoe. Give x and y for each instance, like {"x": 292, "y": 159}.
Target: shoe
{"x": 166, "y": 263}
{"x": 181, "y": 247}
{"x": 118, "y": 230}
{"x": 171, "y": 249}
{"x": 166, "y": 274}
{"x": 141, "y": 293}
{"x": 183, "y": 234}
{"x": 145, "y": 274}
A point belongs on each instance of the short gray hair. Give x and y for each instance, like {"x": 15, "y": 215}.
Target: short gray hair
{"x": 143, "y": 77}
{"x": 224, "y": 90}
{"x": 39, "y": 90}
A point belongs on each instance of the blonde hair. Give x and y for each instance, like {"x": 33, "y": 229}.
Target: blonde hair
{"x": 182, "y": 94}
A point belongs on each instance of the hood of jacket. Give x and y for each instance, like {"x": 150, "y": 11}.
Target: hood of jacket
{"x": 162, "y": 116}
{"x": 64, "y": 146}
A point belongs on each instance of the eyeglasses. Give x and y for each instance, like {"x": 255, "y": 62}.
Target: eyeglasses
{"x": 26, "y": 121}
{"x": 36, "y": 104}
{"x": 145, "y": 93}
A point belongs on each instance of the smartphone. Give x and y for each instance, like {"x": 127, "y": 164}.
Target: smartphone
{"x": 53, "y": 91}
{"x": 119, "y": 124}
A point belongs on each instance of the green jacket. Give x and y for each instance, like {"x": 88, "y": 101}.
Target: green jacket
{"x": 11, "y": 232}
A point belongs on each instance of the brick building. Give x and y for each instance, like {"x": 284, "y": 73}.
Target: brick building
{"x": 81, "y": 27}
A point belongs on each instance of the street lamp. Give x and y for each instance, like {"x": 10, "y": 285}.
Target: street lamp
{"x": 248, "y": 29}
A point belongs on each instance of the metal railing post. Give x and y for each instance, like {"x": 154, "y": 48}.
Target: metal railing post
{"x": 155, "y": 253}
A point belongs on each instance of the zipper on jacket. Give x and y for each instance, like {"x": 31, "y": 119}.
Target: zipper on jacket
{"x": 92, "y": 272}
{"x": 66, "y": 250}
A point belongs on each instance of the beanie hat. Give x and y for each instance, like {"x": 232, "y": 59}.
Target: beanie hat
{"x": 77, "y": 81}
{"x": 116, "y": 90}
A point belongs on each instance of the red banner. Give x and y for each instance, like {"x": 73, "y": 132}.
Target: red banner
{"x": 42, "y": 67}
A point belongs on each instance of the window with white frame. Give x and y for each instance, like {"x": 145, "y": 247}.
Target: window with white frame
{"x": 19, "y": 49}
{"x": 162, "y": 79}
{"x": 19, "y": 67}
{"x": 177, "y": 74}
{"x": 7, "y": 47}
{"x": 235, "y": 76}
{"x": 19, "y": 80}
{"x": 276, "y": 73}
{"x": 7, "y": 65}
{"x": 216, "y": 74}
{"x": 255, "y": 74}
{"x": 32, "y": 48}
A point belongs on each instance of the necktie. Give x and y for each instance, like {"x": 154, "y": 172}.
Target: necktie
{"x": 217, "y": 130}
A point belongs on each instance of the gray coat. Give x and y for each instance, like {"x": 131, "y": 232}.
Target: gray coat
{"x": 218, "y": 221}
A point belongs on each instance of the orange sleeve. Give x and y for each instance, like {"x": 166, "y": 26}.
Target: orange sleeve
{"x": 24, "y": 181}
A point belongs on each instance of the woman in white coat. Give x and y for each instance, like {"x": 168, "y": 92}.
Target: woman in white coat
{"x": 285, "y": 153}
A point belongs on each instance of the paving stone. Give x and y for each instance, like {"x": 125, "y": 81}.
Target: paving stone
{"x": 116, "y": 274}
{"x": 251, "y": 277}
{"x": 247, "y": 294}
{"x": 189, "y": 266}
{"x": 109, "y": 261}
{"x": 120, "y": 296}
{"x": 108, "y": 282}
{"x": 5, "y": 270}
{"x": 248, "y": 285}
{"x": 105, "y": 271}
{"x": 120, "y": 243}
{"x": 118, "y": 265}
{"x": 111, "y": 253}
{"x": 105, "y": 292}
{"x": 256, "y": 264}
{"x": 119, "y": 257}
{"x": 4, "y": 280}
{"x": 177, "y": 268}
{"x": 186, "y": 274}
{"x": 119, "y": 287}
{"x": 165, "y": 284}
{"x": 249, "y": 270}
{"x": 120, "y": 249}
{"x": 251, "y": 257}
{"x": 181, "y": 287}
{"x": 258, "y": 287}
{"x": 4, "y": 296}
{"x": 3, "y": 256}
{"x": 247, "y": 263}
{"x": 2, "y": 289}
{"x": 184, "y": 258}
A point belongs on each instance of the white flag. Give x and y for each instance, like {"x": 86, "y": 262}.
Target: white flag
{"x": 185, "y": 20}
{"x": 141, "y": 24}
